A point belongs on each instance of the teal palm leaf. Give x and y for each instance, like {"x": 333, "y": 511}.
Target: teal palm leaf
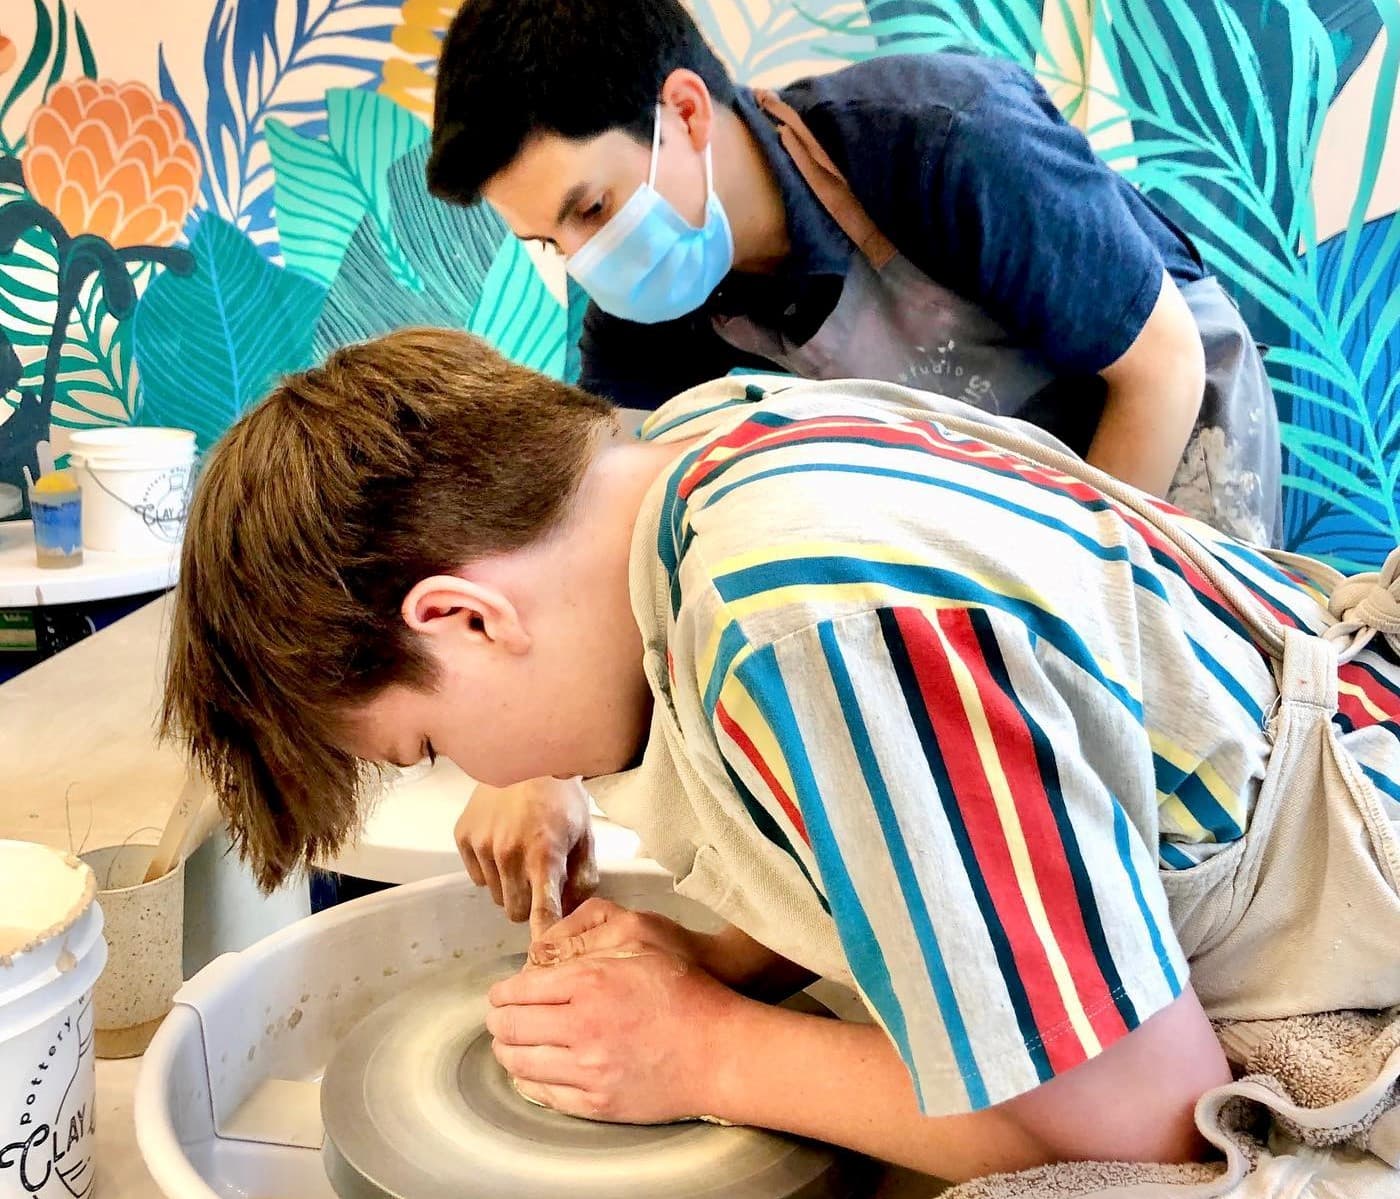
{"x": 210, "y": 343}
{"x": 324, "y": 188}
{"x": 1012, "y": 29}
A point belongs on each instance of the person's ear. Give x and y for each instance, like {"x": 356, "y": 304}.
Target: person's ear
{"x": 454, "y": 607}
{"x": 685, "y": 94}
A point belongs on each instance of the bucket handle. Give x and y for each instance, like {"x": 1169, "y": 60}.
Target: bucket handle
{"x": 154, "y": 520}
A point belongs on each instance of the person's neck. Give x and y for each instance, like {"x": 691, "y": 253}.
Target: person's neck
{"x": 622, "y": 471}
{"x": 748, "y": 189}
{"x": 604, "y": 512}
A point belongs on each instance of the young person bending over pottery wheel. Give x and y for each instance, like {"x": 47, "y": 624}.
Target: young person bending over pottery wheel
{"x": 908, "y": 697}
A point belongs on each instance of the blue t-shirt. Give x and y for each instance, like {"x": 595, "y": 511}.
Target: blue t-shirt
{"x": 965, "y": 163}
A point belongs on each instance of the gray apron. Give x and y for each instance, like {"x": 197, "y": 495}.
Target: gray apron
{"x": 892, "y": 322}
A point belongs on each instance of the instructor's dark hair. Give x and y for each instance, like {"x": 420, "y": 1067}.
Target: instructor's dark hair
{"x": 513, "y": 68}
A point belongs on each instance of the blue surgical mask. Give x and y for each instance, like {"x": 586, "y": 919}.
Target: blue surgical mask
{"x": 648, "y": 263}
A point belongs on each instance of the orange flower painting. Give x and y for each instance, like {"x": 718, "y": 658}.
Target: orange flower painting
{"x": 112, "y": 160}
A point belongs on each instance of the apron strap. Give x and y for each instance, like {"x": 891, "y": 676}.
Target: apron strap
{"x": 835, "y": 194}
{"x": 1309, "y": 671}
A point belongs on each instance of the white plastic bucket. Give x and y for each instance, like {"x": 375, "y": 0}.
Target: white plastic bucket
{"x": 136, "y": 486}
{"x": 51, "y": 953}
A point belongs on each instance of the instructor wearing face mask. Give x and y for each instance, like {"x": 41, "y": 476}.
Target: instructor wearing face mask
{"x": 926, "y": 219}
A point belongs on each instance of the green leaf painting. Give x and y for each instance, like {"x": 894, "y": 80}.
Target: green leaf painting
{"x": 1013, "y": 29}
{"x": 465, "y": 270}
{"x": 768, "y": 43}
{"x": 97, "y": 382}
{"x": 366, "y": 300}
{"x": 578, "y": 308}
{"x": 210, "y": 343}
{"x": 97, "y": 369}
{"x": 517, "y": 313}
{"x": 28, "y": 284}
{"x": 450, "y": 248}
{"x": 324, "y": 188}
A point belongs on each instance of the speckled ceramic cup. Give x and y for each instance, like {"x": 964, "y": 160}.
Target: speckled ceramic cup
{"x": 145, "y": 935}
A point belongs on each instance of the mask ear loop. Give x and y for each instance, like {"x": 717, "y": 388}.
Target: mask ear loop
{"x": 655, "y": 146}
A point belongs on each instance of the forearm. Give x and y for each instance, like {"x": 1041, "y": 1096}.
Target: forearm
{"x": 845, "y": 1084}
{"x": 751, "y": 968}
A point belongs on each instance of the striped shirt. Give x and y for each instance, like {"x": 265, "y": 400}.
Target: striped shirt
{"x": 962, "y": 708}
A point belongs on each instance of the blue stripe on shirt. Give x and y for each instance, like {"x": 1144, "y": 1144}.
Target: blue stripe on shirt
{"x": 763, "y": 678}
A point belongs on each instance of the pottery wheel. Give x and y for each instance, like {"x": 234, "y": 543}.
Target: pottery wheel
{"x": 416, "y": 1106}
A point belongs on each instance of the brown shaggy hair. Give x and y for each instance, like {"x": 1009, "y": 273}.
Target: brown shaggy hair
{"x": 397, "y": 459}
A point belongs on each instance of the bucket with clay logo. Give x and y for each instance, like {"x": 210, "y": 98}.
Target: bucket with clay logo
{"x": 136, "y": 487}
{"x": 51, "y": 953}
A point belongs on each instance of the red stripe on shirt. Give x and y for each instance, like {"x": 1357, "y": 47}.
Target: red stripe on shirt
{"x": 750, "y": 751}
{"x": 1054, "y": 877}
{"x": 973, "y": 795}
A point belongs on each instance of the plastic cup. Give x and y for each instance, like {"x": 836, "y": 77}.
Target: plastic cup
{"x": 56, "y": 504}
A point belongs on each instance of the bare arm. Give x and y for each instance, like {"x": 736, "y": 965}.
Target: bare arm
{"x": 845, "y": 1084}
{"x": 640, "y": 1035}
{"x": 1154, "y": 397}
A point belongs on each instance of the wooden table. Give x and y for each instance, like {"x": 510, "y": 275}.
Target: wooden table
{"x": 82, "y": 723}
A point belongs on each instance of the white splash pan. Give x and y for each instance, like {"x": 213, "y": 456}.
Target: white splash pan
{"x": 227, "y": 1103}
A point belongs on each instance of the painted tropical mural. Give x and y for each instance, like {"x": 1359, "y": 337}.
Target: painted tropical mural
{"x": 196, "y": 201}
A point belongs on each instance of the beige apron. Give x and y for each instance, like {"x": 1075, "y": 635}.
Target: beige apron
{"x": 893, "y": 322}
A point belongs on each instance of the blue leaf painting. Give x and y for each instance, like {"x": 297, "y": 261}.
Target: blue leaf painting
{"x": 1342, "y": 442}
{"x": 211, "y": 343}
